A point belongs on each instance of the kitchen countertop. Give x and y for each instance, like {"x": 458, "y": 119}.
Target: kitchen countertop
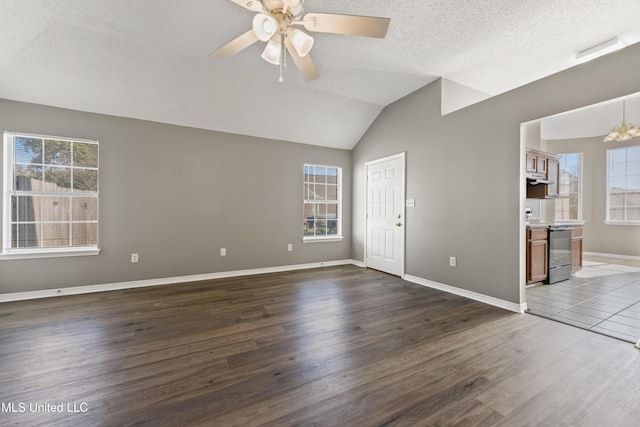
{"x": 553, "y": 224}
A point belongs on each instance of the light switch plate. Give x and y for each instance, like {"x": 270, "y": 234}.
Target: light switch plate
{"x": 411, "y": 203}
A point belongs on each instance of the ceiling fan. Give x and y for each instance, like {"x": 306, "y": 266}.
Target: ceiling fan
{"x": 275, "y": 22}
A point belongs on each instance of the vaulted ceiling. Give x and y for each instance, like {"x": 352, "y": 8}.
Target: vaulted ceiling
{"x": 150, "y": 59}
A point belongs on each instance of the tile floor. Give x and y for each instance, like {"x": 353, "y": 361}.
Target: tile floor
{"x": 603, "y": 297}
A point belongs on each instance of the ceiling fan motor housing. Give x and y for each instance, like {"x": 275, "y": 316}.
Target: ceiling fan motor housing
{"x": 294, "y": 8}
{"x": 284, "y": 21}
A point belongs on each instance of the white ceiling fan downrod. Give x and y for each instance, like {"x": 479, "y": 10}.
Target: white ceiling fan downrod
{"x": 283, "y": 57}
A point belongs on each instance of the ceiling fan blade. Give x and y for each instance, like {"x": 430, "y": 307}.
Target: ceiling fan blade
{"x": 367, "y": 26}
{"x": 252, "y": 5}
{"x": 236, "y": 45}
{"x": 304, "y": 63}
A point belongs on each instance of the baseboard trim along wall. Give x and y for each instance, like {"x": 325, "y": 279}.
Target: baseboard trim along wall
{"x": 76, "y": 290}
{"x": 357, "y": 263}
{"x": 616, "y": 256}
{"x": 496, "y": 302}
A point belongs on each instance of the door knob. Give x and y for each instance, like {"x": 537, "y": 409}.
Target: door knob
{"x": 399, "y": 224}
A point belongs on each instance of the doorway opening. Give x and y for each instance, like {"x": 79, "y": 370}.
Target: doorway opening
{"x": 602, "y": 294}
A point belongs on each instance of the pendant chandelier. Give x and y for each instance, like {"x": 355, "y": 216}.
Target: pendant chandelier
{"x": 624, "y": 132}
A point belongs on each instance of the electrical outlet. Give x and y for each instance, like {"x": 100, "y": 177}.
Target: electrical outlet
{"x": 452, "y": 261}
{"x": 290, "y": 247}
{"x": 134, "y": 257}
{"x": 223, "y": 251}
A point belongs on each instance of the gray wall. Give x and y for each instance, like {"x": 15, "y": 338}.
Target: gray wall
{"x": 176, "y": 195}
{"x": 464, "y": 170}
{"x": 598, "y": 236}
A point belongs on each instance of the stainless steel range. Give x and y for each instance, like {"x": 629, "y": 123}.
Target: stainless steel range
{"x": 559, "y": 254}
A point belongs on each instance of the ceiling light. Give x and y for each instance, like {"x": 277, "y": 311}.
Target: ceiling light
{"x": 272, "y": 52}
{"x": 623, "y": 132}
{"x": 264, "y": 26}
{"x": 599, "y": 50}
{"x": 301, "y": 41}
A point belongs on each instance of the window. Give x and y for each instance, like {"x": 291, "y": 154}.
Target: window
{"x": 50, "y": 198}
{"x": 623, "y": 185}
{"x": 322, "y": 202}
{"x": 569, "y": 203}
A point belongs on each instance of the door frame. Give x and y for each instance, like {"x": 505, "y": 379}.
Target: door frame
{"x": 402, "y": 155}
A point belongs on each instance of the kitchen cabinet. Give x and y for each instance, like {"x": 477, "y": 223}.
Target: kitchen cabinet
{"x": 553, "y": 175}
{"x": 536, "y": 164}
{"x": 543, "y": 167}
{"x": 532, "y": 164}
{"x": 576, "y": 249}
{"x": 537, "y": 255}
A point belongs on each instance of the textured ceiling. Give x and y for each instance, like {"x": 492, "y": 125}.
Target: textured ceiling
{"x": 150, "y": 59}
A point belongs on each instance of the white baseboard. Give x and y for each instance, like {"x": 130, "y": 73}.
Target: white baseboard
{"x": 507, "y": 305}
{"x": 599, "y": 254}
{"x": 76, "y": 290}
{"x": 357, "y": 263}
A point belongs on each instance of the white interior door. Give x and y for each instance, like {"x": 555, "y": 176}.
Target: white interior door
{"x": 384, "y": 247}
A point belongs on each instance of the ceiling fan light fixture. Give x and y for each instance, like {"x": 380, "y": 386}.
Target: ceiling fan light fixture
{"x": 272, "y": 52}
{"x": 301, "y": 41}
{"x": 264, "y": 26}
{"x": 276, "y": 17}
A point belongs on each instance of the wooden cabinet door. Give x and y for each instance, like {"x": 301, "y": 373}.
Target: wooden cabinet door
{"x": 576, "y": 254}
{"x": 553, "y": 175}
{"x": 542, "y": 165}
{"x": 532, "y": 163}
{"x": 536, "y": 260}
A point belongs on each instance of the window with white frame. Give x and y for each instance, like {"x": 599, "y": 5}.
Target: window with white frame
{"x": 623, "y": 185}
{"x": 569, "y": 203}
{"x": 51, "y": 196}
{"x": 322, "y": 216}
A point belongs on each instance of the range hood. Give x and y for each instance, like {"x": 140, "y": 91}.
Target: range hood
{"x": 539, "y": 181}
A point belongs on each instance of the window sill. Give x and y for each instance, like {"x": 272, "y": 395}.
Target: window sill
{"x": 627, "y": 223}
{"x": 322, "y": 239}
{"x": 47, "y": 253}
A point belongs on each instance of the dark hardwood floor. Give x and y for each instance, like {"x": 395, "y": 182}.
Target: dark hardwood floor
{"x": 339, "y": 346}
